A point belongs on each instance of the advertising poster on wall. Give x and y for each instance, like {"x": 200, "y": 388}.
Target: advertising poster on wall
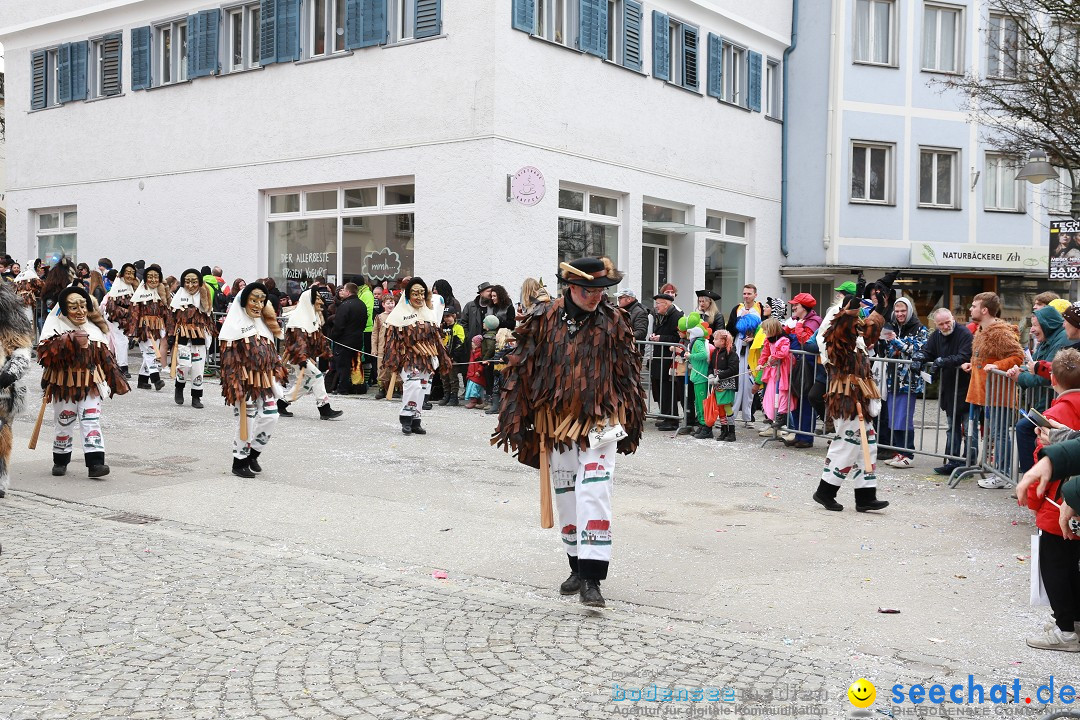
{"x": 1065, "y": 250}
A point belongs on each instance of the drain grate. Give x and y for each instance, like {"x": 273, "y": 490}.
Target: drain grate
{"x": 132, "y": 518}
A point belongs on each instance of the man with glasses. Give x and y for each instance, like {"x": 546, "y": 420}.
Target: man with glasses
{"x": 943, "y": 354}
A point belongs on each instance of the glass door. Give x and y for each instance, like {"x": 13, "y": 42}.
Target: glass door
{"x": 963, "y": 291}
{"x": 654, "y": 265}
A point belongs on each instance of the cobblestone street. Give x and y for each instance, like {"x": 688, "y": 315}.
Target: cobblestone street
{"x": 309, "y": 592}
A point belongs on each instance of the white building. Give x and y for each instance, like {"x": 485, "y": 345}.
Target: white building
{"x": 339, "y": 137}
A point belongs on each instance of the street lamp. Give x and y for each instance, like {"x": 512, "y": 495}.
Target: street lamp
{"x": 1038, "y": 170}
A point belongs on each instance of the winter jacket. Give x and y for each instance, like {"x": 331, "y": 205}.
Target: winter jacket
{"x": 474, "y": 312}
{"x": 349, "y": 323}
{"x": 911, "y": 336}
{"x": 666, "y": 328}
{"x": 378, "y": 336}
{"x": 998, "y": 344}
{"x": 454, "y": 342}
{"x": 368, "y": 298}
{"x": 1065, "y": 409}
{"x": 776, "y": 378}
{"x": 1053, "y": 327}
{"x": 488, "y": 345}
{"x": 639, "y": 320}
{"x": 476, "y": 368}
{"x": 699, "y": 360}
{"x": 724, "y": 364}
{"x": 733, "y": 320}
{"x": 947, "y": 353}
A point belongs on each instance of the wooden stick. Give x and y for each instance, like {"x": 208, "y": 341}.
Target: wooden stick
{"x": 175, "y": 352}
{"x": 299, "y": 383}
{"x": 40, "y": 419}
{"x": 571, "y": 269}
{"x": 864, "y": 441}
{"x": 157, "y": 351}
{"x": 547, "y": 517}
{"x": 243, "y": 420}
{"x": 390, "y": 387}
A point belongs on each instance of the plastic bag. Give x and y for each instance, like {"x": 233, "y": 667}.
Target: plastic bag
{"x": 711, "y": 409}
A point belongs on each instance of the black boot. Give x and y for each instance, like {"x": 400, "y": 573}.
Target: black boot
{"x": 178, "y": 395}
{"x": 866, "y": 500}
{"x": 127, "y": 373}
{"x": 144, "y": 382}
{"x": 283, "y": 409}
{"x": 240, "y": 468}
{"x": 722, "y": 435}
{"x": 380, "y": 394}
{"x": 453, "y": 401}
{"x": 196, "y": 399}
{"x": 571, "y": 585}
{"x": 155, "y": 378}
{"x": 826, "y": 495}
{"x": 703, "y": 432}
{"x": 95, "y": 464}
{"x": 253, "y": 461}
{"x": 60, "y": 463}
{"x": 328, "y": 413}
{"x": 442, "y": 403}
{"x": 417, "y": 430}
{"x": 590, "y": 594}
{"x": 731, "y": 433}
{"x": 406, "y": 424}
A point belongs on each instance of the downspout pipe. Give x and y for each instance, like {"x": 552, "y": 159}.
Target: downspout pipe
{"x": 784, "y": 130}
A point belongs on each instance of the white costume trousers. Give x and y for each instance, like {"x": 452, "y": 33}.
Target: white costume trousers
{"x": 414, "y": 388}
{"x": 744, "y": 395}
{"x": 262, "y": 416}
{"x": 845, "y": 457}
{"x": 120, "y": 342}
{"x": 582, "y": 482}
{"x": 190, "y": 364}
{"x": 150, "y": 362}
{"x": 87, "y": 413}
{"x": 313, "y": 383}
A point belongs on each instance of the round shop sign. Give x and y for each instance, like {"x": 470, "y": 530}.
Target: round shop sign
{"x": 527, "y": 186}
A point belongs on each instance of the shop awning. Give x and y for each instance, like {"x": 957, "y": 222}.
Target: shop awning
{"x": 675, "y": 227}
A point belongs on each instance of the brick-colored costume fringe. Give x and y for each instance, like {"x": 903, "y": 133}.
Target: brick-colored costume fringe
{"x": 194, "y": 324}
{"x": 122, "y": 313}
{"x": 72, "y": 371}
{"x": 302, "y": 346}
{"x": 153, "y": 316}
{"x": 249, "y": 368}
{"x": 29, "y": 290}
{"x": 540, "y": 397}
{"x": 414, "y": 346}
{"x": 850, "y": 379}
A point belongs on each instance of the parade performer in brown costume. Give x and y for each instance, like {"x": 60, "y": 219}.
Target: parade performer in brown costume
{"x": 116, "y": 307}
{"x": 79, "y": 367}
{"x": 252, "y": 375}
{"x": 572, "y": 399}
{"x": 28, "y": 287}
{"x": 16, "y": 339}
{"x": 852, "y": 399}
{"x": 304, "y": 345}
{"x": 194, "y": 321}
{"x": 414, "y": 351}
{"x": 153, "y": 321}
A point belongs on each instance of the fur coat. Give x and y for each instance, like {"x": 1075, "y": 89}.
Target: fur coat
{"x": 845, "y": 338}
{"x": 998, "y": 345}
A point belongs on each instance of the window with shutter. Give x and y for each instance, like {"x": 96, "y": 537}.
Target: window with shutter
{"x": 38, "y": 78}
{"x": 372, "y": 22}
{"x": 661, "y": 46}
{"x": 241, "y": 30}
{"x": 631, "y": 35}
{"x": 203, "y": 36}
{"x": 268, "y": 32}
{"x": 523, "y": 15}
{"x": 690, "y": 55}
{"x": 140, "y": 58}
{"x": 288, "y": 30}
{"x": 78, "y": 58}
{"x": 714, "y": 83}
{"x": 593, "y": 27}
{"x": 754, "y": 92}
{"x": 428, "y": 18}
{"x": 110, "y": 68}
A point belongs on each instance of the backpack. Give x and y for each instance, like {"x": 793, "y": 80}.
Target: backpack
{"x": 221, "y": 302}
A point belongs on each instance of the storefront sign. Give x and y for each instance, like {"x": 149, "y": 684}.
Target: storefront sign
{"x": 384, "y": 264}
{"x": 977, "y": 256}
{"x": 527, "y": 186}
{"x": 304, "y": 265}
{"x": 1065, "y": 250}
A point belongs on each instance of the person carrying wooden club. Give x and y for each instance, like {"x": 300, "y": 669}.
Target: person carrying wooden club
{"x": 16, "y": 339}
{"x": 572, "y": 399}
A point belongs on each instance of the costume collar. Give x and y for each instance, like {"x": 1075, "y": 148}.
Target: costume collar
{"x": 57, "y": 323}
{"x": 302, "y": 316}
{"x": 405, "y": 314}
{"x": 238, "y": 324}
{"x": 145, "y": 294}
{"x": 119, "y": 289}
{"x": 183, "y": 298}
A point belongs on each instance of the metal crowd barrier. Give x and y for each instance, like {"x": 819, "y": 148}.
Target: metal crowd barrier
{"x": 665, "y": 391}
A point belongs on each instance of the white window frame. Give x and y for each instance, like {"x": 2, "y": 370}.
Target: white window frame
{"x": 722, "y": 232}
{"x": 246, "y": 17}
{"x": 401, "y": 15}
{"x": 734, "y": 73}
{"x": 52, "y": 78}
{"x": 614, "y": 29}
{"x": 554, "y": 17}
{"x": 874, "y": 42}
{"x": 995, "y": 48}
{"x": 590, "y": 217}
{"x": 774, "y": 107}
{"x": 95, "y": 69}
{"x": 890, "y": 165}
{"x": 958, "y": 39}
{"x": 329, "y": 30}
{"x": 937, "y": 152}
{"x": 177, "y": 52}
{"x": 60, "y": 229}
{"x": 1002, "y": 166}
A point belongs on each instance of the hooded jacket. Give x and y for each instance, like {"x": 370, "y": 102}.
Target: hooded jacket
{"x": 1054, "y": 339}
{"x": 911, "y": 336}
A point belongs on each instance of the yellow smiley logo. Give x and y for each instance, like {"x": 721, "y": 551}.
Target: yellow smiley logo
{"x": 862, "y": 693}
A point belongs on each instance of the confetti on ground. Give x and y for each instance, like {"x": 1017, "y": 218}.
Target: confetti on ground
{"x": 439, "y": 575}
{"x": 888, "y": 611}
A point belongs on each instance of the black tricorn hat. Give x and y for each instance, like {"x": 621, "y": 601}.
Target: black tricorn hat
{"x": 708, "y": 294}
{"x": 588, "y": 272}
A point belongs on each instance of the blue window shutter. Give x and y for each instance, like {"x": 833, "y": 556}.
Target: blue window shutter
{"x": 63, "y": 73}
{"x": 714, "y": 85}
{"x": 372, "y": 22}
{"x": 631, "y": 35}
{"x": 592, "y": 27}
{"x": 37, "y": 80}
{"x": 111, "y": 65}
{"x": 661, "y": 48}
{"x": 140, "y": 58}
{"x": 194, "y": 36}
{"x": 203, "y": 43}
{"x": 267, "y": 32}
{"x": 524, "y": 15}
{"x": 353, "y": 24}
{"x": 690, "y": 55}
{"x": 288, "y": 30}
{"x": 427, "y": 18}
{"x": 78, "y": 69}
{"x": 754, "y": 93}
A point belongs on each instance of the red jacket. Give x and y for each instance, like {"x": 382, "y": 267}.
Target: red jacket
{"x": 1066, "y": 410}
{"x": 476, "y": 368}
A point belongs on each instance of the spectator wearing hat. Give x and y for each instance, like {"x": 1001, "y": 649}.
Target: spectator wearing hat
{"x": 801, "y": 327}
{"x": 944, "y": 352}
{"x": 474, "y": 312}
{"x": 706, "y": 306}
{"x": 667, "y": 391}
{"x": 640, "y": 319}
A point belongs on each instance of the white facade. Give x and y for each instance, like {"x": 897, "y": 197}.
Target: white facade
{"x": 182, "y": 174}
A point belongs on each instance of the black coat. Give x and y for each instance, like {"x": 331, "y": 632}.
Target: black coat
{"x": 472, "y": 317}
{"x": 349, "y": 323}
{"x": 666, "y": 328}
{"x": 954, "y": 349}
{"x": 639, "y": 320}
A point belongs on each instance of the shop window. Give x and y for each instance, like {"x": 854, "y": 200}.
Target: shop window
{"x": 725, "y": 258}
{"x": 57, "y": 233}
{"x": 588, "y": 224}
